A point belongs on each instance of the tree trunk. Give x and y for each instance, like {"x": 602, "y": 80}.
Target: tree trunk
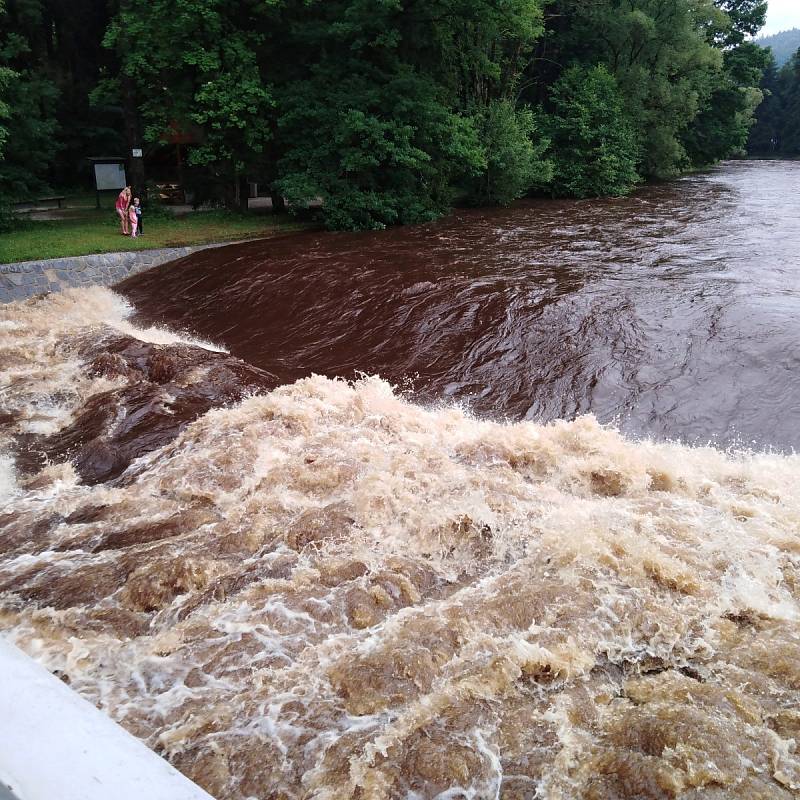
{"x": 237, "y": 193}
{"x": 243, "y": 193}
{"x": 133, "y": 139}
{"x": 278, "y": 203}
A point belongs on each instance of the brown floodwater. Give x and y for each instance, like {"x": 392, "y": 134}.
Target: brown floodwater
{"x": 325, "y": 517}
{"x": 674, "y": 313}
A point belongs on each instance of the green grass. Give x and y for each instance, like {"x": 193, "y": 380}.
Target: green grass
{"x": 88, "y": 230}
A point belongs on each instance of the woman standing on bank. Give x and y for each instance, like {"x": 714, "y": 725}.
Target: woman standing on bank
{"x": 123, "y": 201}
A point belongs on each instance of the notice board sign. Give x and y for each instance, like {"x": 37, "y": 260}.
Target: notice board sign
{"x": 109, "y": 176}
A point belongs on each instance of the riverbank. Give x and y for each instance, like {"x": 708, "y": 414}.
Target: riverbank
{"x": 21, "y": 280}
{"x": 87, "y": 231}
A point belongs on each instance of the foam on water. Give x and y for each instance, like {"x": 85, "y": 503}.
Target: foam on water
{"x": 8, "y": 483}
{"x": 328, "y": 591}
{"x": 41, "y": 377}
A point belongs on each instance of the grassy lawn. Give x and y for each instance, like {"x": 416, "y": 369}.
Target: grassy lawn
{"x": 86, "y": 230}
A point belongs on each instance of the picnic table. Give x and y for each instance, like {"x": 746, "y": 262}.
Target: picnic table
{"x": 30, "y": 205}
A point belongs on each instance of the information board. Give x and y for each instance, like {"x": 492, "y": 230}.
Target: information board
{"x": 109, "y": 176}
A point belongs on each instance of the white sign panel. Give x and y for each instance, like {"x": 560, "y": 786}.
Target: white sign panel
{"x": 136, "y": 152}
{"x": 110, "y": 176}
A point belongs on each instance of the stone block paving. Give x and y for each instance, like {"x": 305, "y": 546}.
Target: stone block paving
{"x": 26, "y": 279}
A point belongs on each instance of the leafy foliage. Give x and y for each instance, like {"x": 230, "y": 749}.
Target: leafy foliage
{"x": 196, "y": 65}
{"x": 27, "y": 107}
{"x": 7, "y": 76}
{"x": 388, "y": 111}
{"x": 744, "y": 18}
{"x": 595, "y": 145}
{"x": 403, "y": 106}
{"x": 664, "y": 65}
{"x": 513, "y": 153}
{"x": 778, "y": 127}
{"x": 722, "y": 127}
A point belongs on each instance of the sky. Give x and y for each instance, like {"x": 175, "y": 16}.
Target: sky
{"x": 783, "y": 15}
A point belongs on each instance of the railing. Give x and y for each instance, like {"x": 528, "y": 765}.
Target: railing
{"x": 54, "y": 745}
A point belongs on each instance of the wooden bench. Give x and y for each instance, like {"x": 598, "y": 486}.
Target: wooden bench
{"x": 30, "y": 205}
{"x": 55, "y": 199}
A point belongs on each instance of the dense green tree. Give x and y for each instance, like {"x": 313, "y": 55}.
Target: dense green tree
{"x": 789, "y": 133}
{"x": 75, "y": 58}
{"x": 372, "y": 169}
{"x": 199, "y": 63}
{"x": 744, "y": 18}
{"x": 660, "y": 56}
{"x": 6, "y": 77}
{"x": 777, "y": 130}
{"x": 765, "y": 134}
{"x": 402, "y": 103}
{"x": 722, "y": 127}
{"x": 484, "y": 50}
{"x": 30, "y": 99}
{"x": 687, "y": 76}
{"x": 359, "y": 128}
{"x": 56, "y": 49}
{"x": 723, "y": 123}
{"x": 595, "y": 145}
{"x": 514, "y": 153}
{"x": 389, "y": 111}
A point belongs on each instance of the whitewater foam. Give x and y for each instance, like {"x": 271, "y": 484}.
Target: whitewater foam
{"x": 8, "y": 483}
{"x": 329, "y": 591}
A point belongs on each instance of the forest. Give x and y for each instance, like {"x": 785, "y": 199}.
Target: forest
{"x": 389, "y": 111}
{"x": 777, "y": 128}
{"x": 783, "y": 45}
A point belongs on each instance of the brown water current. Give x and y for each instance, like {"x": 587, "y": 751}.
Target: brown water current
{"x": 298, "y": 585}
{"x": 674, "y": 313}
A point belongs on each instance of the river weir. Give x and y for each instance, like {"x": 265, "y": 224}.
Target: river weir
{"x": 504, "y": 506}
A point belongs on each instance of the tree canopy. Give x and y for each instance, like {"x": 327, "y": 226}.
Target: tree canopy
{"x": 389, "y": 111}
{"x": 777, "y": 130}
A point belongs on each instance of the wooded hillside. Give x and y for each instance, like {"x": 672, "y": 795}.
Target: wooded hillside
{"x": 783, "y": 45}
{"x": 389, "y": 110}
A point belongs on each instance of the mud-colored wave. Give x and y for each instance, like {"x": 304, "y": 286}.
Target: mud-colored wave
{"x": 674, "y": 313}
{"x": 79, "y": 383}
{"x": 326, "y": 590}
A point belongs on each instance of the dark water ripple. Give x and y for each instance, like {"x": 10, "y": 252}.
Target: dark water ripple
{"x": 674, "y": 313}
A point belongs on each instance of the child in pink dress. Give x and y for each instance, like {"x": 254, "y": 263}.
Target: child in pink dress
{"x": 133, "y": 220}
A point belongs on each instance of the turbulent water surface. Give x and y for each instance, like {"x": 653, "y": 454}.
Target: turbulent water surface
{"x": 296, "y": 579}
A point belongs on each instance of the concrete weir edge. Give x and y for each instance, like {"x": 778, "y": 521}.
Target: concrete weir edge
{"x": 24, "y": 279}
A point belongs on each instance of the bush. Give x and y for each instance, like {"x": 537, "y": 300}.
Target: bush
{"x": 514, "y": 161}
{"x": 594, "y": 144}
{"x": 7, "y": 221}
{"x": 370, "y": 169}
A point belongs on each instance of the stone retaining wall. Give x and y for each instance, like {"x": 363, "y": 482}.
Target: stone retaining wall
{"x": 28, "y": 278}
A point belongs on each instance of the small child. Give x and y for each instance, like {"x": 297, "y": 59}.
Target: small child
{"x": 133, "y": 219}
{"x": 140, "y": 229}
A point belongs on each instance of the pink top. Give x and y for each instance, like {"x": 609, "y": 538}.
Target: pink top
{"x": 122, "y": 201}
{"x": 132, "y": 214}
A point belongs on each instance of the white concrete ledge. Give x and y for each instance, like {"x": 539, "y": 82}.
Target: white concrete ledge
{"x": 56, "y": 746}
{"x": 23, "y": 279}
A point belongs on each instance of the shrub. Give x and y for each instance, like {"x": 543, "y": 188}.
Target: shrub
{"x": 594, "y": 144}
{"x": 513, "y": 151}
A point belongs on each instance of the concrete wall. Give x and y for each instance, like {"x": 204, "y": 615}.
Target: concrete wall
{"x": 57, "y": 746}
{"x": 28, "y": 278}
